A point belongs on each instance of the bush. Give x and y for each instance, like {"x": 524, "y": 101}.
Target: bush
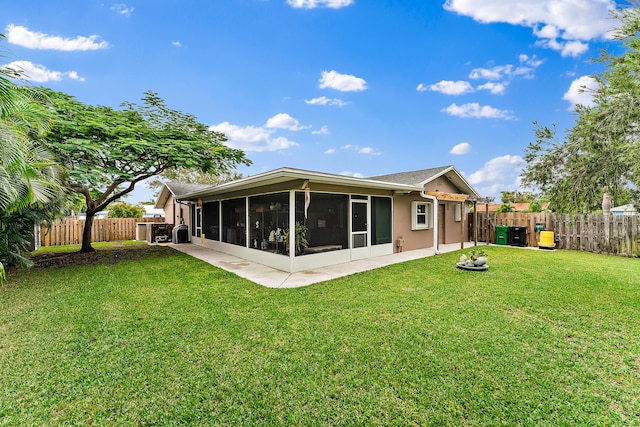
{"x": 125, "y": 210}
{"x": 505, "y": 208}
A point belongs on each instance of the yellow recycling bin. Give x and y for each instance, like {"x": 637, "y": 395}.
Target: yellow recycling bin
{"x": 547, "y": 240}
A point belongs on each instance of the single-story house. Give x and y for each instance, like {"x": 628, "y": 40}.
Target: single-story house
{"x": 176, "y": 212}
{"x": 624, "y": 210}
{"x": 346, "y": 218}
{"x": 151, "y": 211}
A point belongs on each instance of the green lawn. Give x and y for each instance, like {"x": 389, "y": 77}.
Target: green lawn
{"x": 541, "y": 338}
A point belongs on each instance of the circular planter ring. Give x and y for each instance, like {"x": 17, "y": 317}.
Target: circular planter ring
{"x": 472, "y": 267}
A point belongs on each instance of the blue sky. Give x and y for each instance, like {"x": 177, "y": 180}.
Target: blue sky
{"x": 352, "y": 87}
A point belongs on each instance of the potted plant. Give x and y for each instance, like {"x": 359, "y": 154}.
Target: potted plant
{"x": 300, "y": 237}
{"x": 478, "y": 257}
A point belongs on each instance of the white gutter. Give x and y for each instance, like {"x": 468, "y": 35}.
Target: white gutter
{"x": 435, "y": 219}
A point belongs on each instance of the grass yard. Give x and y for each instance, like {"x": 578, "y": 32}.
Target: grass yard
{"x": 540, "y": 339}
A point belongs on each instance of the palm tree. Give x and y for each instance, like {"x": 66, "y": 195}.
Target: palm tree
{"x": 29, "y": 176}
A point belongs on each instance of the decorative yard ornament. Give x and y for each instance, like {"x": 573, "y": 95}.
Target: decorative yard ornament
{"x": 606, "y": 203}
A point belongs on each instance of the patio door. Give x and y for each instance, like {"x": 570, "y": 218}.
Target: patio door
{"x": 198, "y": 224}
{"x": 359, "y": 228}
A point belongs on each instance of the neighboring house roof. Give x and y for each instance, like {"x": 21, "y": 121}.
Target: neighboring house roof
{"x": 401, "y": 182}
{"x": 624, "y": 209}
{"x": 518, "y": 207}
{"x": 152, "y": 212}
{"x": 176, "y": 189}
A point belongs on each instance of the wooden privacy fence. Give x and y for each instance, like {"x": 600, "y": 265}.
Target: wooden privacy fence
{"x": 610, "y": 234}
{"x": 487, "y": 224}
{"x": 69, "y": 232}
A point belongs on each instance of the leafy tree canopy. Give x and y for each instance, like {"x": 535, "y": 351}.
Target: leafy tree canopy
{"x": 505, "y": 207}
{"x": 125, "y": 210}
{"x": 601, "y": 153}
{"x": 517, "y": 197}
{"x": 107, "y": 152}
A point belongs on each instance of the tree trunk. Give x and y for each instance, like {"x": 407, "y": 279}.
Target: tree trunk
{"x": 86, "y": 232}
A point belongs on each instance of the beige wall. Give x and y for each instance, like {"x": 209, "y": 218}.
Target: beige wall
{"x": 441, "y": 184}
{"x": 402, "y": 224}
{"x": 172, "y": 211}
{"x": 419, "y": 239}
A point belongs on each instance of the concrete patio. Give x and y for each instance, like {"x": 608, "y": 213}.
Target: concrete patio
{"x": 272, "y": 278}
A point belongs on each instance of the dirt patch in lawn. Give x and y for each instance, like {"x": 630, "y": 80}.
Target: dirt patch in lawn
{"x": 110, "y": 255}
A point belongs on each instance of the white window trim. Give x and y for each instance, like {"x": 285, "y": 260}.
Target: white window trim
{"x": 458, "y": 212}
{"x": 428, "y": 214}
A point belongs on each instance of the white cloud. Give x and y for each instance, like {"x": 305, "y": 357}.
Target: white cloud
{"x": 495, "y": 73}
{"x": 176, "y": 44}
{"x": 284, "y": 121}
{"x": 506, "y": 73}
{"x": 448, "y": 87}
{"x": 322, "y": 131}
{"x": 577, "y": 93}
{"x": 572, "y": 48}
{"x": 559, "y": 24}
{"x": 22, "y": 36}
{"x": 530, "y": 60}
{"x": 478, "y": 111}
{"x": 330, "y": 151}
{"x": 547, "y": 32}
{"x": 74, "y": 76}
{"x": 369, "y": 150}
{"x": 462, "y": 148}
{"x": 501, "y": 72}
{"x": 323, "y": 100}
{"x": 251, "y": 138}
{"x": 353, "y": 174}
{"x": 342, "y": 82}
{"x": 498, "y": 174}
{"x": 494, "y": 88}
{"x": 361, "y": 150}
{"x": 311, "y": 4}
{"x": 40, "y": 73}
{"x": 122, "y": 9}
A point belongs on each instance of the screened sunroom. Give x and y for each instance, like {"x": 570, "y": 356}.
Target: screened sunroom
{"x": 295, "y": 220}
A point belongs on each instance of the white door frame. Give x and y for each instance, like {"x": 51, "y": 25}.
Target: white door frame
{"x": 356, "y": 236}
{"x": 198, "y": 225}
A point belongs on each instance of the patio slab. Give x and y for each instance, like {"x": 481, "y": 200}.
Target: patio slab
{"x": 273, "y": 278}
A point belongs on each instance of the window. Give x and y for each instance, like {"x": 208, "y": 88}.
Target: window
{"x": 458, "y": 212}
{"x": 421, "y": 215}
{"x": 381, "y": 218}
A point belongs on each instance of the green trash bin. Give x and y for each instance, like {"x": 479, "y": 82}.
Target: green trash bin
{"x": 502, "y": 234}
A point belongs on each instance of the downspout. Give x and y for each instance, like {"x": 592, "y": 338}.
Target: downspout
{"x": 435, "y": 219}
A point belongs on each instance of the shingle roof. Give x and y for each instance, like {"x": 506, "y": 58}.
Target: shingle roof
{"x": 412, "y": 177}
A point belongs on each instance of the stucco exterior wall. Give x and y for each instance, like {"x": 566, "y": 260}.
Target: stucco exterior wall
{"x": 172, "y": 212}
{"x": 442, "y": 185}
{"x": 413, "y": 239}
{"x": 450, "y": 230}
